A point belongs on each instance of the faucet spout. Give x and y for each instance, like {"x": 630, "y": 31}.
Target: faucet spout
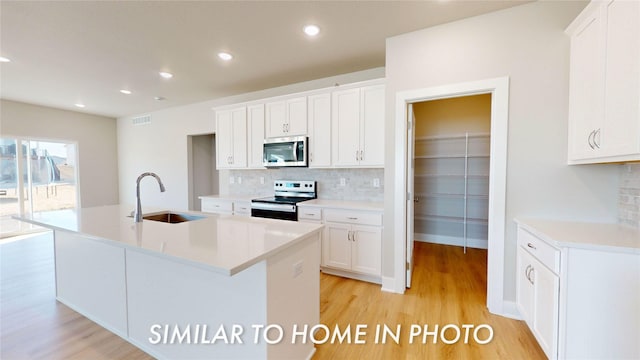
{"x": 137, "y": 215}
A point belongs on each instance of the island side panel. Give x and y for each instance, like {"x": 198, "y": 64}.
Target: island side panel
{"x": 168, "y": 293}
{"x": 90, "y": 279}
{"x": 293, "y": 296}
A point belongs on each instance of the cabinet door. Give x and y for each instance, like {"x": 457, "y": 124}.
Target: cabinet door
{"x": 545, "y": 314}
{"x": 320, "y": 130}
{"x": 345, "y": 127}
{"x": 621, "y": 132}
{"x": 524, "y": 287}
{"x": 255, "y": 118}
{"x": 296, "y": 121}
{"x": 239, "y": 138}
{"x": 336, "y": 246}
{"x": 224, "y": 139}
{"x": 366, "y": 250}
{"x": 372, "y": 126}
{"x": 586, "y": 89}
{"x": 276, "y": 118}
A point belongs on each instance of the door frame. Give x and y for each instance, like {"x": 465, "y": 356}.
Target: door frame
{"x": 499, "y": 90}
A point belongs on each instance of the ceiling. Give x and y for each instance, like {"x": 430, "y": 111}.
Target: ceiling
{"x": 68, "y": 52}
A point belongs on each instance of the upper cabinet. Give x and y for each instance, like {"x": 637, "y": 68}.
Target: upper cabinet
{"x": 287, "y": 117}
{"x": 604, "y": 97}
{"x": 358, "y": 127}
{"x": 344, "y": 124}
{"x": 231, "y": 138}
{"x": 255, "y": 135}
{"x": 319, "y": 115}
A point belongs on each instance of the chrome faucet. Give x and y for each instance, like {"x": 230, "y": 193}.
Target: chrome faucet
{"x": 137, "y": 215}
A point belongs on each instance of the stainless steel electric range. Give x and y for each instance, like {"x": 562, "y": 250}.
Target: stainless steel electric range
{"x": 282, "y": 205}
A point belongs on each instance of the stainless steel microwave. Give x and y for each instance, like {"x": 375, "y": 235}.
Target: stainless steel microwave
{"x": 285, "y": 152}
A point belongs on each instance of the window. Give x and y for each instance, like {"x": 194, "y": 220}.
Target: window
{"x": 35, "y": 176}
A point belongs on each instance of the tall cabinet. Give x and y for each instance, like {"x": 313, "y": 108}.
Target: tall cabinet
{"x": 231, "y": 142}
{"x": 451, "y": 182}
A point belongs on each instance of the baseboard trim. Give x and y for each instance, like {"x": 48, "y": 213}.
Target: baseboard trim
{"x": 389, "y": 285}
{"x": 451, "y": 240}
{"x": 510, "y": 310}
{"x": 351, "y": 275}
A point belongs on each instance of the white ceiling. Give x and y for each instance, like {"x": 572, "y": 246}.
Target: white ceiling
{"x": 65, "y": 52}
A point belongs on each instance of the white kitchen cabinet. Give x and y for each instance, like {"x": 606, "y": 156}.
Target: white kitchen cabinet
{"x": 225, "y": 206}
{"x": 286, "y": 117}
{"x": 242, "y": 207}
{"x": 358, "y": 127}
{"x": 231, "y": 138}
{"x": 216, "y": 205}
{"x": 255, "y": 135}
{"x": 319, "y": 115}
{"x": 537, "y": 299}
{"x": 352, "y": 241}
{"x": 578, "y": 288}
{"x": 604, "y": 96}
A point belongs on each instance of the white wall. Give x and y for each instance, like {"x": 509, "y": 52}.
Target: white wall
{"x": 95, "y": 136}
{"x": 526, "y": 43}
{"x": 162, "y": 146}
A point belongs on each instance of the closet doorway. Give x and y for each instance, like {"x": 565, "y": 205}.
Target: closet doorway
{"x": 451, "y": 171}
{"x": 403, "y": 204}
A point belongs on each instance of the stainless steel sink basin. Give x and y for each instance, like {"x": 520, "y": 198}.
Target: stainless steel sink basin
{"x": 170, "y": 217}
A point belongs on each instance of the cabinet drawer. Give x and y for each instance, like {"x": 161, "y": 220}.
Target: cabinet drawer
{"x": 353, "y": 217}
{"x": 309, "y": 213}
{"x": 545, "y": 253}
{"x": 216, "y": 206}
{"x": 242, "y": 207}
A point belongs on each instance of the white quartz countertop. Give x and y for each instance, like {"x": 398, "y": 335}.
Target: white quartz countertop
{"x": 226, "y": 244}
{"x": 600, "y": 236}
{"x": 344, "y": 204}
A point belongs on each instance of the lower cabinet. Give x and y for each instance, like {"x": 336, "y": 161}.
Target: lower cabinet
{"x": 537, "y": 294}
{"x": 225, "y": 206}
{"x": 579, "y": 301}
{"x": 351, "y": 241}
{"x": 352, "y": 247}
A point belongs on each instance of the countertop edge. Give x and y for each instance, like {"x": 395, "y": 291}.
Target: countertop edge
{"x": 558, "y": 243}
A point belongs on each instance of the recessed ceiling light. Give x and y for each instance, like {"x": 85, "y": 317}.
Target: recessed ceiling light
{"x": 225, "y": 56}
{"x": 79, "y": 105}
{"x": 4, "y": 59}
{"x": 159, "y": 98}
{"x": 311, "y": 30}
{"x": 166, "y": 75}
{"x": 126, "y": 92}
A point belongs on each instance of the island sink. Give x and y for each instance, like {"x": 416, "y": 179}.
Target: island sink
{"x": 172, "y": 218}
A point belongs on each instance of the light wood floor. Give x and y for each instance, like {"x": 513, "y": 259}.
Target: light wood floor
{"x": 449, "y": 288}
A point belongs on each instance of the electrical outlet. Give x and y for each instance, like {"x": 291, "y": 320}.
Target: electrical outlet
{"x": 376, "y": 183}
{"x": 232, "y": 180}
{"x": 262, "y": 180}
{"x": 343, "y": 182}
{"x": 239, "y": 180}
{"x": 298, "y": 268}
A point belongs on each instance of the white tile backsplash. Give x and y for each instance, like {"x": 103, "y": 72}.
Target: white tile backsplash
{"x": 629, "y": 195}
{"x": 359, "y": 183}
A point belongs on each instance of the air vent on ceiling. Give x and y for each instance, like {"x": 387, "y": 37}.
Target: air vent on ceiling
{"x": 141, "y": 120}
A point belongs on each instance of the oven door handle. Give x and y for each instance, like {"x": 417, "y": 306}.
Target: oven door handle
{"x": 276, "y": 207}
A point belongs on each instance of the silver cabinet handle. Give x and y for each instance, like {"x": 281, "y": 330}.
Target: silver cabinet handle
{"x": 597, "y": 142}
{"x": 357, "y": 159}
{"x": 361, "y": 155}
{"x": 348, "y": 235}
{"x": 590, "y": 139}
{"x": 532, "y": 273}
{"x": 352, "y": 218}
{"x": 531, "y": 246}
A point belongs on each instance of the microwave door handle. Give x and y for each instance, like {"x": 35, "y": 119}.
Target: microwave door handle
{"x": 295, "y": 151}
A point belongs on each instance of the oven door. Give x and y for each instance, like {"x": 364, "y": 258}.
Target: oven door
{"x": 274, "y": 211}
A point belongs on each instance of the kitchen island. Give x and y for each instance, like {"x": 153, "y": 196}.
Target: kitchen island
{"x": 218, "y": 286}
